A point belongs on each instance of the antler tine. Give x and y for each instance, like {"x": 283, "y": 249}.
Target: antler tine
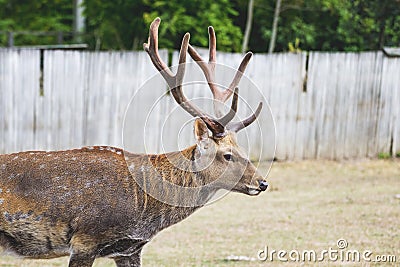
{"x": 237, "y": 126}
{"x": 238, "y": 74}
{"x": 220, "y": 96}
{"x": 212, "y": 58}
{"x": 208, "y": 70}
{"x": 174, "y": 81}
{"x": 232, "y": 112}
{"x": 151, "y": 47}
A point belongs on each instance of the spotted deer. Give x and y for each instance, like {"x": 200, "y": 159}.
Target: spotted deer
{"x": 106, "y": 202}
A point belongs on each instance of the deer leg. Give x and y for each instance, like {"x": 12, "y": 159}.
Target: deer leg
{"x": 132, "y": 261}
{"x": 81, "y": 260}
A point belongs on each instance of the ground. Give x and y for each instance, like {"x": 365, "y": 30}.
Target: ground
{"x": 310, "y": 206}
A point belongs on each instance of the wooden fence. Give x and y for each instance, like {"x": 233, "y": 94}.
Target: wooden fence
{"x": 324, "y": 105}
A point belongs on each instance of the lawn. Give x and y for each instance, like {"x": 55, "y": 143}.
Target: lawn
{"x": 310, "y": 206}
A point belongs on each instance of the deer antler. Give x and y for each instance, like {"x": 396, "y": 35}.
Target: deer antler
{"x": 174, "y": 81}
{"x": 217, "y": 126}
{"x": 220, "y": 96}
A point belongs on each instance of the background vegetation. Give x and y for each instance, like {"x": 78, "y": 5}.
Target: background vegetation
{"x": 327, "y": 25}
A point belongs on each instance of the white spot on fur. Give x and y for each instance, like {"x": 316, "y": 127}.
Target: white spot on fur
{"x": 42, "y": 166}
{"x": 16, "y": 157}
{"x": 131, "y": 167}
{"x": 143, "y": 168}
{"x": 1, "y": 201}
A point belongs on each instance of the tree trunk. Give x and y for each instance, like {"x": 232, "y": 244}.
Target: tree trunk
{"x": 249, "y": 22}
{"x": 382, "y": 34}
{"x": 274, "y": 27}
{"x": 79, "y": 20}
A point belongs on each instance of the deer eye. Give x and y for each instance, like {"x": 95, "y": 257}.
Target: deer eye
{"x": 228, "y": 157}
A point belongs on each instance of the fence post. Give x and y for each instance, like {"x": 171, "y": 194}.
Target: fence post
{"x": 10, "y": 39}
{"x": 60, "y": 37}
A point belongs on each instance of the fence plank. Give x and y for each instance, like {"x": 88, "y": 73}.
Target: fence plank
{"x": 388, "y": 123}
{"x": 19, "y": 77}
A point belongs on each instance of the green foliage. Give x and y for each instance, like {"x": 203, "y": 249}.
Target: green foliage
{"x": 124, "y": 24}
{"x": 327, "y": 25}
{"x": 38, "y": 15}
{"x": 195, "y": 16}
{"x": 115, "y": 24}
{"x": 295, "y": 47}
{"x": 368, "y": 25}
{"x": 384, "y": 155}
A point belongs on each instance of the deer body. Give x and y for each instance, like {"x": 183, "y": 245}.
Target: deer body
{"x": 85, "y": 200}
{"x": 106, "y": 202}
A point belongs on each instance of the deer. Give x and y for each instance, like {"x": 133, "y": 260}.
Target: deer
{"x": 101, "y": 201}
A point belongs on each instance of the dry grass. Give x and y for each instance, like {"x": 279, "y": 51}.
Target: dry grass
{"x": 310, "y": 206}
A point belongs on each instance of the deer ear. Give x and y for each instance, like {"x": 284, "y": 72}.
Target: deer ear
{"x": 201, "y": 133}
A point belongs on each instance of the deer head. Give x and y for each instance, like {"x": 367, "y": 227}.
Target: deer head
{"x": 218, "y": 158}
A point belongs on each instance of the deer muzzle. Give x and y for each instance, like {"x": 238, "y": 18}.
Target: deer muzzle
{"x": 263, "y": 185}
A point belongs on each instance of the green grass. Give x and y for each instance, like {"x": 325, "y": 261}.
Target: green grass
{"x": 382, "y": 155}
{"x": 309, "y": 205}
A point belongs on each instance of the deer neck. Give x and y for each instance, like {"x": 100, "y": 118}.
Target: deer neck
{"x": 180, "y": 169}
{"x": 170, "y": 175}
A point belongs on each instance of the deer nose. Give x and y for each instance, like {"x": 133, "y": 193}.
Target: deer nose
{"x": 263, "y": 185}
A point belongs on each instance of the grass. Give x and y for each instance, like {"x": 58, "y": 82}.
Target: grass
{"x": 309, "y": 205}
{"x": 384, "y": 155}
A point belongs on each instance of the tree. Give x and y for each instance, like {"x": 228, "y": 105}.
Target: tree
{"x": 275, "y": 26}
{"x": 115, "y": 24}
{"x": 40, "y": 15}
{"x": 326, "y": 25}
{"x": 194, "y": 17}
{"x": 371, "y": 24}
{"x": 249, "y": 22}
{"x": 123, "y": 24}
